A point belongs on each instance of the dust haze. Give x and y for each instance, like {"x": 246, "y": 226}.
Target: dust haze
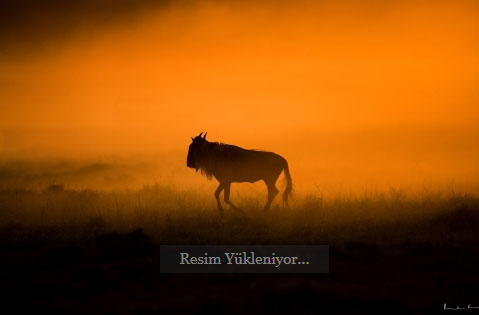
{"x": 357, "y": 96}
{"x": 374, "y": 105}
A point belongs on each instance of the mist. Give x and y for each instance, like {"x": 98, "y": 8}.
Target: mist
{"x": 357, "y": 96}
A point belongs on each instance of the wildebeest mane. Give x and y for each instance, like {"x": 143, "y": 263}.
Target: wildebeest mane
{"x": 211, "y": 158}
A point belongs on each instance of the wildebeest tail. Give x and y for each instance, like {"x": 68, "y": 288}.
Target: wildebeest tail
{"x": 288, "y": 191}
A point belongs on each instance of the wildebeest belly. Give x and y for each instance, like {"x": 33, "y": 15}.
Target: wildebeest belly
{"x": 250, "y": 166}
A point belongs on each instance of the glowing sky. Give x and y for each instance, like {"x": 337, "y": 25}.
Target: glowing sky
{"x": 352, "y": 93}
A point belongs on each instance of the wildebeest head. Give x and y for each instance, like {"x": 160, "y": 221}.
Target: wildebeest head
{"x": 196, "y": 151}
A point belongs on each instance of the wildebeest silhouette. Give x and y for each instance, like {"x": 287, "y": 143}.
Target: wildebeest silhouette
{"x": 231, "y": 164}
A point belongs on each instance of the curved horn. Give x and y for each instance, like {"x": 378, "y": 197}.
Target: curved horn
{"x": 204, "y": 137}
{"x": 200, "y": 134}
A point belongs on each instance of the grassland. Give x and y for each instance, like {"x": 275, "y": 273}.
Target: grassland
{"x": 184, "y": 216}
{"x": 65, "y": 249}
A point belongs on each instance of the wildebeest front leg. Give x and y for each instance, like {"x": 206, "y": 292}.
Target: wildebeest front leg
{"x": 217, "y": 195}
{"x": 227, "y": 196}
{"x": 272, "y": 192}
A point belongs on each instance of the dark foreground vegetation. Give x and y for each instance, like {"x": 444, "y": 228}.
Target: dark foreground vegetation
{"x": 92, "y": 252}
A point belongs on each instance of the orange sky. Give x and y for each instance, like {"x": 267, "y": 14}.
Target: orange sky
{"x": 354, "y": 94}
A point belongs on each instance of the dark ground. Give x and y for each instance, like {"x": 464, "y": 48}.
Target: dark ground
{"x": 406, "y": 267}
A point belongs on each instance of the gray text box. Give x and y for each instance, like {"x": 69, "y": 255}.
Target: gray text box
{"x": 244, "y": 259}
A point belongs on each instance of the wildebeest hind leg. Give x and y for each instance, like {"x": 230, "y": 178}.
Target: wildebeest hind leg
{"x": 227, "y": 196}
{"x": 217, "y": 196}
{"x": 272, "y": 192}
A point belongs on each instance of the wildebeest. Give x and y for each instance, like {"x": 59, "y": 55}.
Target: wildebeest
{"x": 231, "y": 164}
